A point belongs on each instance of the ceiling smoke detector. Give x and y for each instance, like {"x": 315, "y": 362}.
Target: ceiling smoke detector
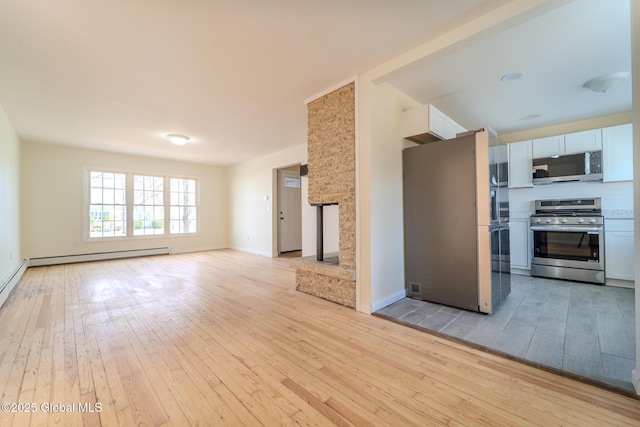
{"x": 178, "y": 139}
{"x": 606, "y": 82}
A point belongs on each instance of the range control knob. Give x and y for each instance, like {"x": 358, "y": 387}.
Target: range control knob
{"x": 580, "y": 220}
{"x": 592, "y": 220}
{"x": 538, "y": 220}
{"x": 564, "y": 220}
{"x": 548, "y": 221}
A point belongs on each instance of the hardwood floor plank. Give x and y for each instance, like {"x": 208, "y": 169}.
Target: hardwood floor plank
{"x": 223, "y": 338}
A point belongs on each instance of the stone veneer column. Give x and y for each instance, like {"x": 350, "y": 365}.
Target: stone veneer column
{"x": 332, "y": 163}
{"x": 332, "y": 180}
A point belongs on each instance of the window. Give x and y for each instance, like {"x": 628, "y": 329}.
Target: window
{"x": 148, "y": 205}
{"x": 183, "y": 205}
{"x": 107, "y": 204}
{"x": 121, "y": 205}
{"x": 292, "y": 182}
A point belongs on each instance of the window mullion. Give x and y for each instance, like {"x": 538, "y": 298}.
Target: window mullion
{"x": 129, "y": 207}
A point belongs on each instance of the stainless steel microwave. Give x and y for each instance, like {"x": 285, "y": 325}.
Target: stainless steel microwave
{"x": 571, "y": 167}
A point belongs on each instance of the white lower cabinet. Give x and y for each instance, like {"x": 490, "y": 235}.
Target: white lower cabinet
{"x": 520, "y": 244}
{"x": 619, "y": 251}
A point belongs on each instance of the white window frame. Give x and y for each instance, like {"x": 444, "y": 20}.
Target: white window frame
{"x": 86, "y": 202}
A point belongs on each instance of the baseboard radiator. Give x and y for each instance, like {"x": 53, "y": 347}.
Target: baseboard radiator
{"x": 7, "y": 285}
{"x": 99, "y": 256}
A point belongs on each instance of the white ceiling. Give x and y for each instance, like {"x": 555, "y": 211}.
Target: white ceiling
{"x": 558, "y": 52}
{"x": 119, "y": 75}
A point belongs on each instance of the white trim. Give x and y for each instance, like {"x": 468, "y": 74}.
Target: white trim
{"x": 205, "y": 249}
{"x": 252, "y": 251}
{"x": 7, "y": 287}
{"x": 129, "y": 194}
{"x": 98, "y": 256}
{"x": 377, "y": 305}
{"x": 331, "y": 89}
{"x": 635, "y": 379}
{"x": 630, "y": 284}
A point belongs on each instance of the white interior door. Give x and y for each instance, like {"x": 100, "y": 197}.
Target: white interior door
{"x": 289, "y": 210}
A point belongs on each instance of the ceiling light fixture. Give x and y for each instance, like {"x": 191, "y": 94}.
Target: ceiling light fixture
{"x": 178, "y": 139}
{"x": 531, "y": 116}
{"x": 512, "y": 76}
{"x": 606, "y": 82}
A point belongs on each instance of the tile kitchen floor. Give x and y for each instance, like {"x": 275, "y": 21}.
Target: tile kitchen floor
{"x": 586, "y": 330}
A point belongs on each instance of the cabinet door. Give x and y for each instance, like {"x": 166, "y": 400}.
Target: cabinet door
{"x": 520, "y": 164}
{"x": 437, "y": 122}
{"x": 547, "y": 147}
{"x": 619, "y": 249}
{"x": 519, "y": 244}
{"x": 617, "y": 153}
{"x": 579, "y": 142}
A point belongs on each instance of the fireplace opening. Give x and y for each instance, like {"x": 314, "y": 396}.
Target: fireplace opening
{"x": 324, "y": 222}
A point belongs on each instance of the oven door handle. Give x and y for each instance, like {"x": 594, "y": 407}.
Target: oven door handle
{"x": 569, "y": 228}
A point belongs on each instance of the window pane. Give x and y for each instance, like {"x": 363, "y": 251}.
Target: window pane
{"x": 148, "y": 205}
{"x": 183, "y": 201}
{"x": 108, "y": 196}
{"x": 96, "y": 195}
{"x": 107, "y": 209}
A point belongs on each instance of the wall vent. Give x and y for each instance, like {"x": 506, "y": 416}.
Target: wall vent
{"x": 414, "y": 287}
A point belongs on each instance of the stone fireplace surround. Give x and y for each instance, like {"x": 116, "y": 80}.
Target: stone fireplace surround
{"x": 332, "y": 180}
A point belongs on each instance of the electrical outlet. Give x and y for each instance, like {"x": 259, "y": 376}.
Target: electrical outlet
{"x": 248, "y": 237}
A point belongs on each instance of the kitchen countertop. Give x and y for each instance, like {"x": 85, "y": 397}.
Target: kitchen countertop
{"x": 618, "y": 214}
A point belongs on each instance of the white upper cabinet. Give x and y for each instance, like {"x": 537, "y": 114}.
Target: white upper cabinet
{"x": 547, "y": 147}
{"x": 520, "y": 164}
{"x": 617, "y": 153}
{"x": 427, "y": 124}
{"x": 437, "y": 121}
{"x": 580, "y": 142}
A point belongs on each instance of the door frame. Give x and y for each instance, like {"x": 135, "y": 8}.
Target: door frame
{"x": 275, "y": 214}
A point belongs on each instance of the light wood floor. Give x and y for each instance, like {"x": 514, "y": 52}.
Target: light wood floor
{"x": 223, "y": 338}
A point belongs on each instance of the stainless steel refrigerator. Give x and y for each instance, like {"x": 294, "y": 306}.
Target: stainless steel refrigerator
{"x": 456, "y": 221}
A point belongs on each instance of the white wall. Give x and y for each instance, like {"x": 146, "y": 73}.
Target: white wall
{"x": 10, "y": 249}
{"x": 252, "y": 209}
{"x": 52, "y": 201}
{"x": 617, "y": 197}
{"x": 387, "y": 221}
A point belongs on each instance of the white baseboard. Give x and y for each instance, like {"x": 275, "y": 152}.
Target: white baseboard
{"x": 635, "y": 378}
{"x": 208, "y": 248}
{"x": 99, "y": 256}
{"x": 520, "y": 271}
{"x": 377, "y": 305}
{"x": 7, "y": 286}
{"x": 621, "y": 283}
{"x": 252, "y": 251}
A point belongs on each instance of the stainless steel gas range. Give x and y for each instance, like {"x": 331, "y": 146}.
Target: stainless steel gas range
{"x": 568, "y": 240}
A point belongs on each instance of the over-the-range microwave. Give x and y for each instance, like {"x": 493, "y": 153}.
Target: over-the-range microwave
{"x": 571, "y": 167}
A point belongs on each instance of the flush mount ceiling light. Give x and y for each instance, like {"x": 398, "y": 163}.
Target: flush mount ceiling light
{"x": 178, "y": 139}
{"x": 512, "y": 76}
{"x": 531, "y": 117}
{"x": 606, "y": 82}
